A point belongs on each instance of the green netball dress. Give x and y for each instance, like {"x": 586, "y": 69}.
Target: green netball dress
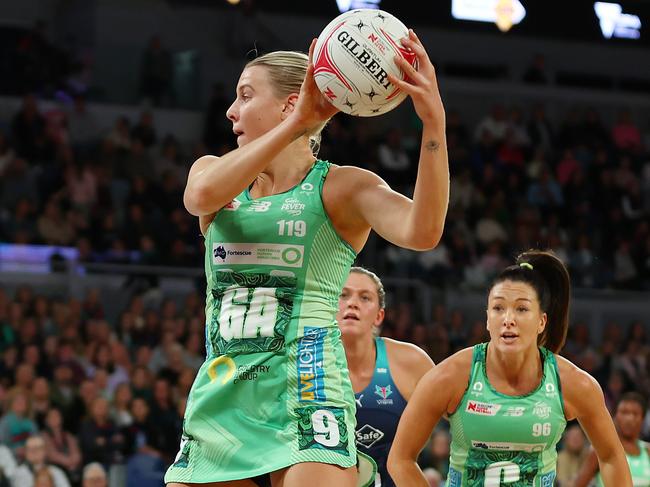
{"x": 274, "y": 389}
{"x": 506, "y": 441}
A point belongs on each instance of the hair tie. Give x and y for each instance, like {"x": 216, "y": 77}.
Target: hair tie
{"x": 526, "y": 265}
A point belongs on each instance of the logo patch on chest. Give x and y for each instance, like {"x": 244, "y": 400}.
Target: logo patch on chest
{"x": 482, "y": 408}
{"x": 293, "y": 206}
{"x": 384, "y": 392}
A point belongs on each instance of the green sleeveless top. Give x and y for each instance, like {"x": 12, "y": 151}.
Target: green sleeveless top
{"x": 639, "y": 467}
{"x": 500, "y": 440}
{"x": 274, "y": 266}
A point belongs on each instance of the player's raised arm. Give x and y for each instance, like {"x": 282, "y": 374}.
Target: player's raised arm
{"x": 418, "y": 223}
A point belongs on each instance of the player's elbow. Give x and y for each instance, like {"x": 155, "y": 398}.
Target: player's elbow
{"x": 199, "y": 200}
{"x": 426, "y": 240}
{"x": 396, "y": 463}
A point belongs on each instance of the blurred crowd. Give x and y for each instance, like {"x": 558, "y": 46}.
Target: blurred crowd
{"x": 580, "y": 186}
{"x": 79, "y": 389}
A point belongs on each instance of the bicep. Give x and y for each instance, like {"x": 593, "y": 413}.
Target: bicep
{"x": 592, "y": 414}
{"x": 384, "y": 210}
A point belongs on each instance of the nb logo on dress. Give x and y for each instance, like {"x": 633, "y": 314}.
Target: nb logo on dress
{"x": 260, "y": 206}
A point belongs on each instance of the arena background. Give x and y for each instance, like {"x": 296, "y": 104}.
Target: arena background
{"x": 104, "y": 104}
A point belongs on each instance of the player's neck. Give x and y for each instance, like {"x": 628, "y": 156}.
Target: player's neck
{"x": 285, "y": 171}
{"x": 360, "y": 354}
{"x": 520, "y": 372}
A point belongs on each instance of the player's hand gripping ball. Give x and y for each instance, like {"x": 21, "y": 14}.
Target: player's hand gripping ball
{"x": 352, "y": 58}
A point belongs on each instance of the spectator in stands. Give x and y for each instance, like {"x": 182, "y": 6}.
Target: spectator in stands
{"x": 144, "y": 130}
{"x": 54, "y": 228}
{"x": 82, "y": 125}
{"x": 18, "y": 183}
{"x": 436, "y": 454}
{"x": 571, "y": 456}
{"x": 35, "y": 460}
{"x": 120, "y": 411}
{"x": 156, "y": 72}
{"x": 536, "y": 72}
{"x": 394, "y": 161}
{"x": 495, "y": 125}
{"x": 40, "y": 401}
{"x": 625, "y": 134}
{"x": 61, "y": 446}
{"x": 28, "y": 131}
{"x": 164, "y": 410}
{"x": 99, "y": 438}
{"x": 119, "y": 137}
{"x": 540, "y": 129}
{"x": 545, "y": 193}
{"x": 7, "y": 465}
{"x": 94, "y": 475}
{"x": 15, "y": 425}
{"x": 81, "y": 185}
{"x": 7, "y": 153}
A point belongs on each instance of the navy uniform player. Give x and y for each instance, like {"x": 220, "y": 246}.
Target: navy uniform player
{"x": 384, "y": 372}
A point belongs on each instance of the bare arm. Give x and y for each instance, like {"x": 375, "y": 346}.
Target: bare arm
{"x": 437, "y": 393}
{"x": 588, "y": 470}
{"x": 584, "y": 401}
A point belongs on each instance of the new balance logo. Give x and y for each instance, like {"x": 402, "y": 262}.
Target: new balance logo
{"x": 259, "y": 206}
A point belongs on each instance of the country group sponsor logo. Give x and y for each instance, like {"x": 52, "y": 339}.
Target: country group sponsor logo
{"x": 508, "y": 446}
{"x": 311, "y": 380}
{"x": 223, "y": 368}
{"x": 482, "y": 408}
{"x": 368, "y": 435}
{"x": 250, "y": 372}
{"x": 280, "y": 255}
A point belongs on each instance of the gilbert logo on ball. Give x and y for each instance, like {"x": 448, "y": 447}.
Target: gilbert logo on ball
{"x": 352, "y": 58}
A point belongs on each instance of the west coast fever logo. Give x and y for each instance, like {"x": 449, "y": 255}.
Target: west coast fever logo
{"x": 311, "y": 383}
{"x": 257, "y": 253}
{"x": 293, "y": 206}
{"x": 542, "y": 410}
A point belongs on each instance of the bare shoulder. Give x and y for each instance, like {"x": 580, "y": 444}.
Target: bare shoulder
{"x": 351, "y": 178}
{"x": 407, "y": 354}
{"x": 579, "y": 388}
{"x": 458, "y": 363}
{"x": 451, "y": 377}
{"x": 454, "y": 371}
